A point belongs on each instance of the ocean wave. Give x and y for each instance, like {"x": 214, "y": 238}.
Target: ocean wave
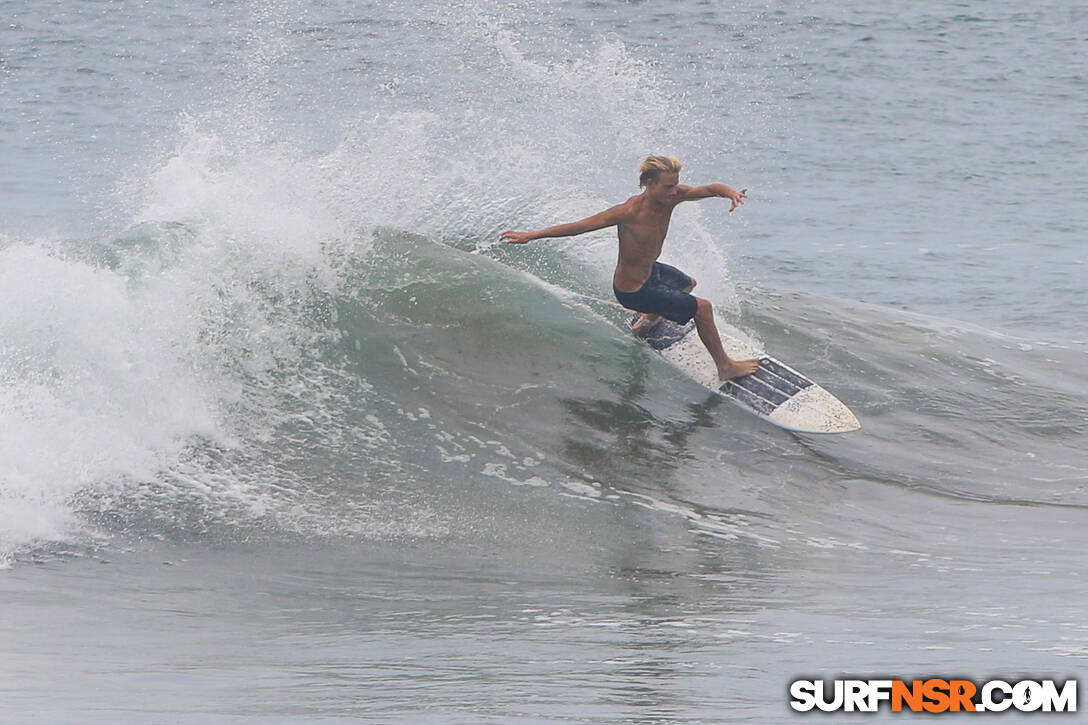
{"x": 186, "y": 386}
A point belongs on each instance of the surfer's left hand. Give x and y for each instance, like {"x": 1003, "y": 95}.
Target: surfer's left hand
{"x": 737, "y": 197}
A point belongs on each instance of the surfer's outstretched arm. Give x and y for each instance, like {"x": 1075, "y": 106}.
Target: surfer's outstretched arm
{"x": 691, "y": 193}
{"x": 607, "y": 218}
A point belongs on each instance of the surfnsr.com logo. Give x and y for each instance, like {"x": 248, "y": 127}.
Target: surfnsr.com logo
{"x": 933, "y": 695}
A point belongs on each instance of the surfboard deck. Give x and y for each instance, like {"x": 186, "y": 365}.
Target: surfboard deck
{"x": 775, "y": 392}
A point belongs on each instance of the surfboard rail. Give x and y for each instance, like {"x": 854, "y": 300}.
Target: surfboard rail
{"x": 776, "y": 392}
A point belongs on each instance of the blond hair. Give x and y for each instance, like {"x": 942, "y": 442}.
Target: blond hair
{"x": 654, "y": 165}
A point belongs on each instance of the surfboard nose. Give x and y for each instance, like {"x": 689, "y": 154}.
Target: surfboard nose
{"x": 814, "y": 410}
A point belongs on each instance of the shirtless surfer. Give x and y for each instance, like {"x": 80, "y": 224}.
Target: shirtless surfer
{"x": 640, "y": 282}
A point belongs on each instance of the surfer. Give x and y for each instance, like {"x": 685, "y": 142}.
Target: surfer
{"x": 640, "y": 282}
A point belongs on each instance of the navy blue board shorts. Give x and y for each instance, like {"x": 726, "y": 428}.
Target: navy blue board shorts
{"x": 662, "y": 294}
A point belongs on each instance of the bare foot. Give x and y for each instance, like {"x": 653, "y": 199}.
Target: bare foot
{"x": 644, "y": 322}
{"x": 737, "y": 368}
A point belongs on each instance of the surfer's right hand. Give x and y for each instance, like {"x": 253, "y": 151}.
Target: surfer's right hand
{"x": 516, "y": 237}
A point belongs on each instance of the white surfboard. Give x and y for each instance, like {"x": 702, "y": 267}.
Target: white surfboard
{"x": 775, "y": 392}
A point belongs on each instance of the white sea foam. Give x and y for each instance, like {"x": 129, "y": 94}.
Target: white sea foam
{"x": 96, "y": 386}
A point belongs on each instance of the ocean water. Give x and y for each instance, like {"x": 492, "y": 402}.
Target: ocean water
{"x": 287, "y": 436}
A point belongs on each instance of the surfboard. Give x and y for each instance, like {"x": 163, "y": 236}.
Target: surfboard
{"x": 775, "y": 392}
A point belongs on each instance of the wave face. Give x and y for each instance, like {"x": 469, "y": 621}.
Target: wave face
{"x": 296, "y": 320}
{"x": 288, "y": 435}
{"x": 189, "y": 383}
